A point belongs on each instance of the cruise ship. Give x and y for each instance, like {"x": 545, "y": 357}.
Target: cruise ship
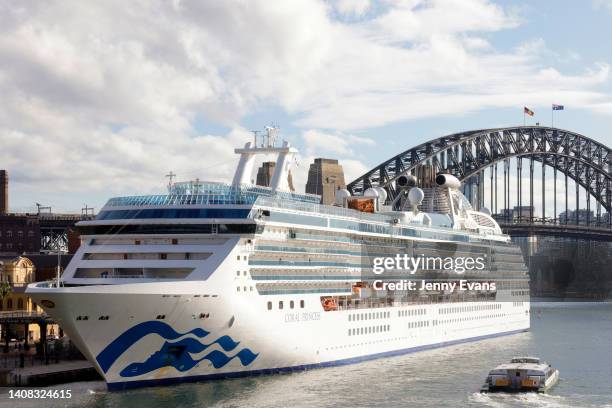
{"x": 216, "y": 280}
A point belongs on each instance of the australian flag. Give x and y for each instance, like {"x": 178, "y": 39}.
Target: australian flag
{"x": 557, "y": 107}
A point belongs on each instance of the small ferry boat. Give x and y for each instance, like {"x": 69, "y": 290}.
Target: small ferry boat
{"x": 521, "y": 374}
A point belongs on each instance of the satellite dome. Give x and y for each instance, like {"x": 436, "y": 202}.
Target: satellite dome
{"x": 416, "y": 196}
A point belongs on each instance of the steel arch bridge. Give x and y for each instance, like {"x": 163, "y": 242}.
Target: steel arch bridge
{"x": 468, "y": 154}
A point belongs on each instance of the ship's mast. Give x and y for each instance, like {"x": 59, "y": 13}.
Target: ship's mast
{"x": 284, "y": 159}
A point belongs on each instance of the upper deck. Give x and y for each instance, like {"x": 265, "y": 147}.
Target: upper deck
{"x": 208, "y": 193}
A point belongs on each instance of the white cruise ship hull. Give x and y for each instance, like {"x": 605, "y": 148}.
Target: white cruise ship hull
{"x": 239, "y": 339}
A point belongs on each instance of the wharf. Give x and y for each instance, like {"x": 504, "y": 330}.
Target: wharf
{"x": 43, "y": 375}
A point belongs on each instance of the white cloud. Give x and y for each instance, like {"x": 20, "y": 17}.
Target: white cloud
{"x": 339, "y": 143}
{"x": 101, "y": 97}
{"x": 352, "y": 7}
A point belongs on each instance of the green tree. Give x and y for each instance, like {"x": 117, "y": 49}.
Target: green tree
{"x": 5, "y": 290}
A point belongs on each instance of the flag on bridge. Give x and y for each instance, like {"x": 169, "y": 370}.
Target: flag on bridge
{"x": 528, "y": 111}
{"x": 557, "y": 107}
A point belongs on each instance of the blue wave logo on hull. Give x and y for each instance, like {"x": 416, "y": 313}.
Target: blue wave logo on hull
{"x": 178, "y": 356}
{"x": 175, "y": 354}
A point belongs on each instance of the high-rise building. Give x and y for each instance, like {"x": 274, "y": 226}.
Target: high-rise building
{"x": 4, "y": 205}
{"x": 325, "y": 176}
{"x": 264, "y": 174}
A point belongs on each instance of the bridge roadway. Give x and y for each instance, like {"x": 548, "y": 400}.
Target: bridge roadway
{"x": 54, "y": 229}
{"x": 527, "y": 229}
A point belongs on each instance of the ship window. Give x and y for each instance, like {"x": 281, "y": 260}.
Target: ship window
{"x": 291, "y": 304}
{"x": 174, "y": 241}
{"x": 163, "y": 256}
{"x": 280, "y": 304}
{"x": 137, "y": 242}
{"x": 269, "y": 305}
{"x": 245, "y": 288}
{"x": 301, "y": 304}
{"x": 237, "y": 273}
{"x": 237, "y": 288}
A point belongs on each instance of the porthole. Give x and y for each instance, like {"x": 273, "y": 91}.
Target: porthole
{"x": 291, "y": 304}
{"x": 280, "y": 304}
{"x": 301, "y": 304}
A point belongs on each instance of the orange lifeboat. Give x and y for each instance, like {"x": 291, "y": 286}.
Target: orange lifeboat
{"x": 329, "y": 304}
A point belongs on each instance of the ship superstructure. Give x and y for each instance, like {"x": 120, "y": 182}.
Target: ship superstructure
{"x": 218, "y": 280}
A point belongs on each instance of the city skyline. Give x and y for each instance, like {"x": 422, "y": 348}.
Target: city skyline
{"x": 104, "y": 100}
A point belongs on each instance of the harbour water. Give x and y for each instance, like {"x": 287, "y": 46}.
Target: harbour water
{"x": 574, "y": 337}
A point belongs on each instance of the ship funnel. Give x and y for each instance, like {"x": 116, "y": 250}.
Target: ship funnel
{"x": 405, "y": 181}
{"x": 448, "y": 181}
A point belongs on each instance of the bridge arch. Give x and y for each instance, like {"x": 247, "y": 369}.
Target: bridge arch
{"x": 466, "y": 154}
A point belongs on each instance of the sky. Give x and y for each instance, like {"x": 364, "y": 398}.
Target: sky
{"x": 101, "y": 99}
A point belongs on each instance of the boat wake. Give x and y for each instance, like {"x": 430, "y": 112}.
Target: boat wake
{"x": 532, "y": 399}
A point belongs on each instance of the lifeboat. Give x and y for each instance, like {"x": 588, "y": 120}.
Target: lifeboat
{"x": 329, "y": 304}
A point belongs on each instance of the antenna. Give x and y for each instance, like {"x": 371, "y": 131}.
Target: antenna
{"x": 86, "y": 211}
{"x": 170, "y": 176}
{"x": 272, "y": 134}
{"x": 42, "y": 207}
{"x": 255, "y": 132}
